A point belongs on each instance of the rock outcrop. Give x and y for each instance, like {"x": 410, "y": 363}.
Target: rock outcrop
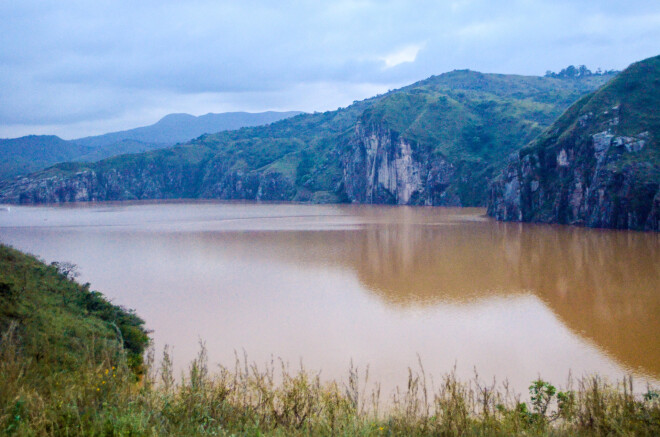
{"x": 436, "y": 142}
{"x": 247, "y": 185}
{"x": 382, "y": 167}
{"x": 597, "y": 166}
{"x": 149, "y": 182}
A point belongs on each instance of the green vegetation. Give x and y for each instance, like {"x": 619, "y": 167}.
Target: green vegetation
{"x": 60, "y": 323}
{"x": 581, "y": 71}
{"x": 475, "y": 120}
{"x": 612, "y": 182}
{"x": 20, "y": 156}
{"x": 32, "y": 153}
{"x": 470, "y": 119}
{"x": 70, "y": 364}
{"x": 635, "y": 94}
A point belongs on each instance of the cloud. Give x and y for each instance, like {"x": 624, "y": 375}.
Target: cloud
{"x": 65, "y": 65}
{"x": 401, "y": 56}
{"x": 140, "y": 108}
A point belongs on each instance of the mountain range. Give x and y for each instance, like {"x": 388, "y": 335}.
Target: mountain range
{"x": 435, "y": 142}
{"x": 19, "y": 156}
{"x": 440, "y": 141}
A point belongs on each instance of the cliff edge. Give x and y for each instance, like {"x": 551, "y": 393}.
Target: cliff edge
{"x": 598, "y": 165}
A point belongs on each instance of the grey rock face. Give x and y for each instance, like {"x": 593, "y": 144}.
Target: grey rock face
{"x": 602, "y": 143}
{"x": 504, "y": 193}
{"x": 653, "y": 220}
{"x": 150, "y": 182}
{"x": 378, "y": 166}
{"x": 222, "y": 183}
{"x": 382, "y": 167}
{"x": 590, "y": 180}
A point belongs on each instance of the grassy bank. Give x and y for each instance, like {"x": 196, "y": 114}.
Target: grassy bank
{"x": 71, "y": 364}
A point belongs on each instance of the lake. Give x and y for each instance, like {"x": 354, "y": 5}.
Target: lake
{"x": 378, "y": 286}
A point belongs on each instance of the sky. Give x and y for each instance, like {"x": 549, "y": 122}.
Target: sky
{"x": 78, "y": 67}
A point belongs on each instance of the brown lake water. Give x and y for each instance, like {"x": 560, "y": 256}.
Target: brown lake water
{"x": 380, "y": 286}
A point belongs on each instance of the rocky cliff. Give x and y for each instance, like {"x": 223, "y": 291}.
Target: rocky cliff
{"x": 435, "y": 142}
{"x": 597, "y": 166}
{"x": 150, "y": 181}
{"x": 381, "y": 167}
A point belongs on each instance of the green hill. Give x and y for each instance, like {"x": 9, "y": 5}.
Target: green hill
{"x": 55, "y": 320}
{"x": 63, "y": 348}
{"x": 21, "y": 156}
{"x": 34, "y": 152}
{"x": 598, "y": 165}
{"x": 435, "y": 142}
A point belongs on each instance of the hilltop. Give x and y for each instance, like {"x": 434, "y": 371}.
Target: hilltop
{"x": 598, "y": 165}
{"x": 177, "y": 128}
{"x": 34, "y": 152}
{"x": 436, "y": 142}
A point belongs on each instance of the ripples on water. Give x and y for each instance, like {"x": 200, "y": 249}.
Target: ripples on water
{"x": 376, "y": 285}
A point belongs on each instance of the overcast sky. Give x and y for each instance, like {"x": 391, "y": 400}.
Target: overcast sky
{"x": 77, "y": 68}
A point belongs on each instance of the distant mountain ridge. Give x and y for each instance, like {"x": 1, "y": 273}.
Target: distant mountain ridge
{"x": 19, "y": 156}
{"x": 35, "y": 152}
{"x": 177, "y": 128}
{"x": 438, "y": 141}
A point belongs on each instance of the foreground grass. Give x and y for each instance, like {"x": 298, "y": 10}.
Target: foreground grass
{"x": 102, "y": 399}
{"x": 66, "y": 368}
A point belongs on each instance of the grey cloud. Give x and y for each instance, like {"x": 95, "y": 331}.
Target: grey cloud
{"x": 83, "y": 61}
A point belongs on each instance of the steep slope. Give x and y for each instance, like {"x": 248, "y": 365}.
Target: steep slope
{"x": 439, "y": 141}
{"x": 598, "y": 165}
{"x": 59, "y": 324}
{"x": 32, "y": 153}
{"x": 436, "y": 142}
{"x": 20, "y": 156}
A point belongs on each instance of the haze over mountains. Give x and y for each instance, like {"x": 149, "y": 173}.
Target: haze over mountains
{"x": 176, "y": 128}
{"x": 24, "y": 155}
{"x": 31, "y": 153}
{"x": 440, "y": 141}
{"x": 435, "y": 142}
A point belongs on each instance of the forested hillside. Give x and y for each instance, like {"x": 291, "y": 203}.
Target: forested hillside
{"x": 436, "y": 142}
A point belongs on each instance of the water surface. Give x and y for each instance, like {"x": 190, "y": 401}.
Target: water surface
{"x": 378, "y": 286}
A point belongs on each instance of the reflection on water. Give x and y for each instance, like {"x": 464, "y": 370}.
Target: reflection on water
{"x": 375, "y": 284}
{"x": 604, "y": 286}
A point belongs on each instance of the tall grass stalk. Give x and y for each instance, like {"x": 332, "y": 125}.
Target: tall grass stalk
{"x": 245, "y": 399}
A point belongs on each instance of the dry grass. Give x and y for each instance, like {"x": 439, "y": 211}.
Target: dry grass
{"x": 104, "y": 399}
